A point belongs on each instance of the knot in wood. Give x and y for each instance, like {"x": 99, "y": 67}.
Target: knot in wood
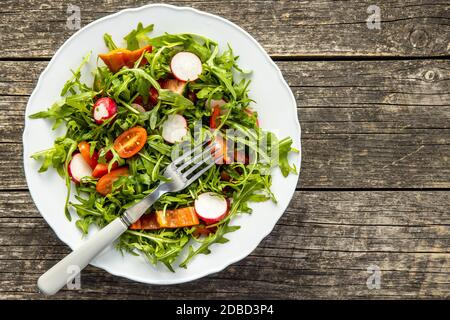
{"x": 419, "y": 38}
{"x": 430, "y": 75}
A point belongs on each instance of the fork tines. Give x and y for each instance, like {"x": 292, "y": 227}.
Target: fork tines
{"x": 188, "y": 164}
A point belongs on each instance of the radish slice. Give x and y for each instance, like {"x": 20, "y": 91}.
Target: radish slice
{"x": 138, "y": 107}
{"x": 104, "y": 108}
{"x": 211, "y": 207}
{"x": 174, "y": 85}
{"x": 174, "y": 128}
{"x": 186, "y": 66}
{"x": 216, "y": 103}
{"x": 79, "y": 168}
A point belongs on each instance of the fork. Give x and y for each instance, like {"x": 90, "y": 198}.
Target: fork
{"x": 180, "y": 174}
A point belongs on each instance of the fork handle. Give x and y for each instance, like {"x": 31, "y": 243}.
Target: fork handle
{"x": 61, "y": 274}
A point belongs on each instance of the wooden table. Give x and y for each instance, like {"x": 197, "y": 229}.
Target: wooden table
{"x": 374, "y": 105}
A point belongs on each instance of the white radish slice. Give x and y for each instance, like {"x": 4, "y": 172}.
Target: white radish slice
{"x": 220, "y": 104}
{"x": 104, "y": 108}
{"x": 174, "y": 128}
{"x": 138, "y": 107}
{"x": 79, "y": 168}
{"x": 215, "y": 103}
{"x": 186, "y": 66}
{"x": 211, "y": 207}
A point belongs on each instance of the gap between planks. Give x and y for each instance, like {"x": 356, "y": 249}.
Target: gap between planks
{"x": 294, "y": 58}
{"x": 417, "y": 189}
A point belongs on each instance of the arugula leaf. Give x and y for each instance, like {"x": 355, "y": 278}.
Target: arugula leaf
{"x": 109, "y": 42}
{"x": 217, "y": 237}
{"x": 174, "y": 99}
{"x": 246, "y": 182}
{"x": 74, "y": 82}
{"x": 284, "y": 148}
{"x": 138, "y": 35}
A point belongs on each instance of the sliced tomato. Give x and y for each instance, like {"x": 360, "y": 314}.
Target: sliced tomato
{"x": 139, "y": 100}
{"x": 104, "y": 185}
{"x": 214, "y": 120}
{"x": 153, "y": 96}
{"x": 102, "y": 168}
{"x": 118, "y": 58}
{"x": 108, "y": 156}
{"x": 85, "y": 150}
{"x": 152, "y": 99}
{"x": 130, "y": 142}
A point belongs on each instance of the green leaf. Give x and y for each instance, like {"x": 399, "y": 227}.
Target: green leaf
{"x": 109, "y": 42}
{"x": 138, "y": 35}
{"x": 74, "y": 82}
{"x": 224, "y": 77}
{"x": 284, "y": 147}
{"x": 217, "y": 237}
{"x": 84, "y": 224}
{"x": 174, "y": 99}
{"x": 247, "y": 183}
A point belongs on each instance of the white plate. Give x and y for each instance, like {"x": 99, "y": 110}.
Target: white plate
{"x": 276, "y": 107}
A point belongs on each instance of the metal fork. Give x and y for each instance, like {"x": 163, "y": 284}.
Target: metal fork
{"x": 181, "y": 173}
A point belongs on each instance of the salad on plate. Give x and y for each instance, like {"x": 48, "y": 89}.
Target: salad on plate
{"x": 148, "y": 103}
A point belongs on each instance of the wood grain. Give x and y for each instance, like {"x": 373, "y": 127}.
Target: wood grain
{"x": 374, "y": 189}
{"x": 285, "y": 28}
{"x": 321, "y": 248}
{"x": 371, "y": 124}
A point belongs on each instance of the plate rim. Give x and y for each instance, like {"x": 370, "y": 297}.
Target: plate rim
{"x": 268, "y": 59}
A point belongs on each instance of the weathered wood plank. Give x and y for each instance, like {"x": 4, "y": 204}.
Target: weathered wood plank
{"x": 372, "y": 124}
{"x": 323, "y": 244}
{"x": 285, "y": 28}
{"x": 334, "y": 161}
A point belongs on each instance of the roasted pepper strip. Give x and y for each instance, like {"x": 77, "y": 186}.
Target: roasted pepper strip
{"x": 118, "y": 58}
{"x": 177, "y": 218}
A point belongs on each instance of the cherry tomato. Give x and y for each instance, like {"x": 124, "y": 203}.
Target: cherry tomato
{"x": 102, "y": 168}
{"x": 130, "y": 142}
{"x": 104, "y": 185}
{"x": 85, "y": 149}
{"x": 139, "y": 100}
{"x": 108, "y": 156}
{"x": 214, "y": 120}
{"x": 153, "y": 96}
